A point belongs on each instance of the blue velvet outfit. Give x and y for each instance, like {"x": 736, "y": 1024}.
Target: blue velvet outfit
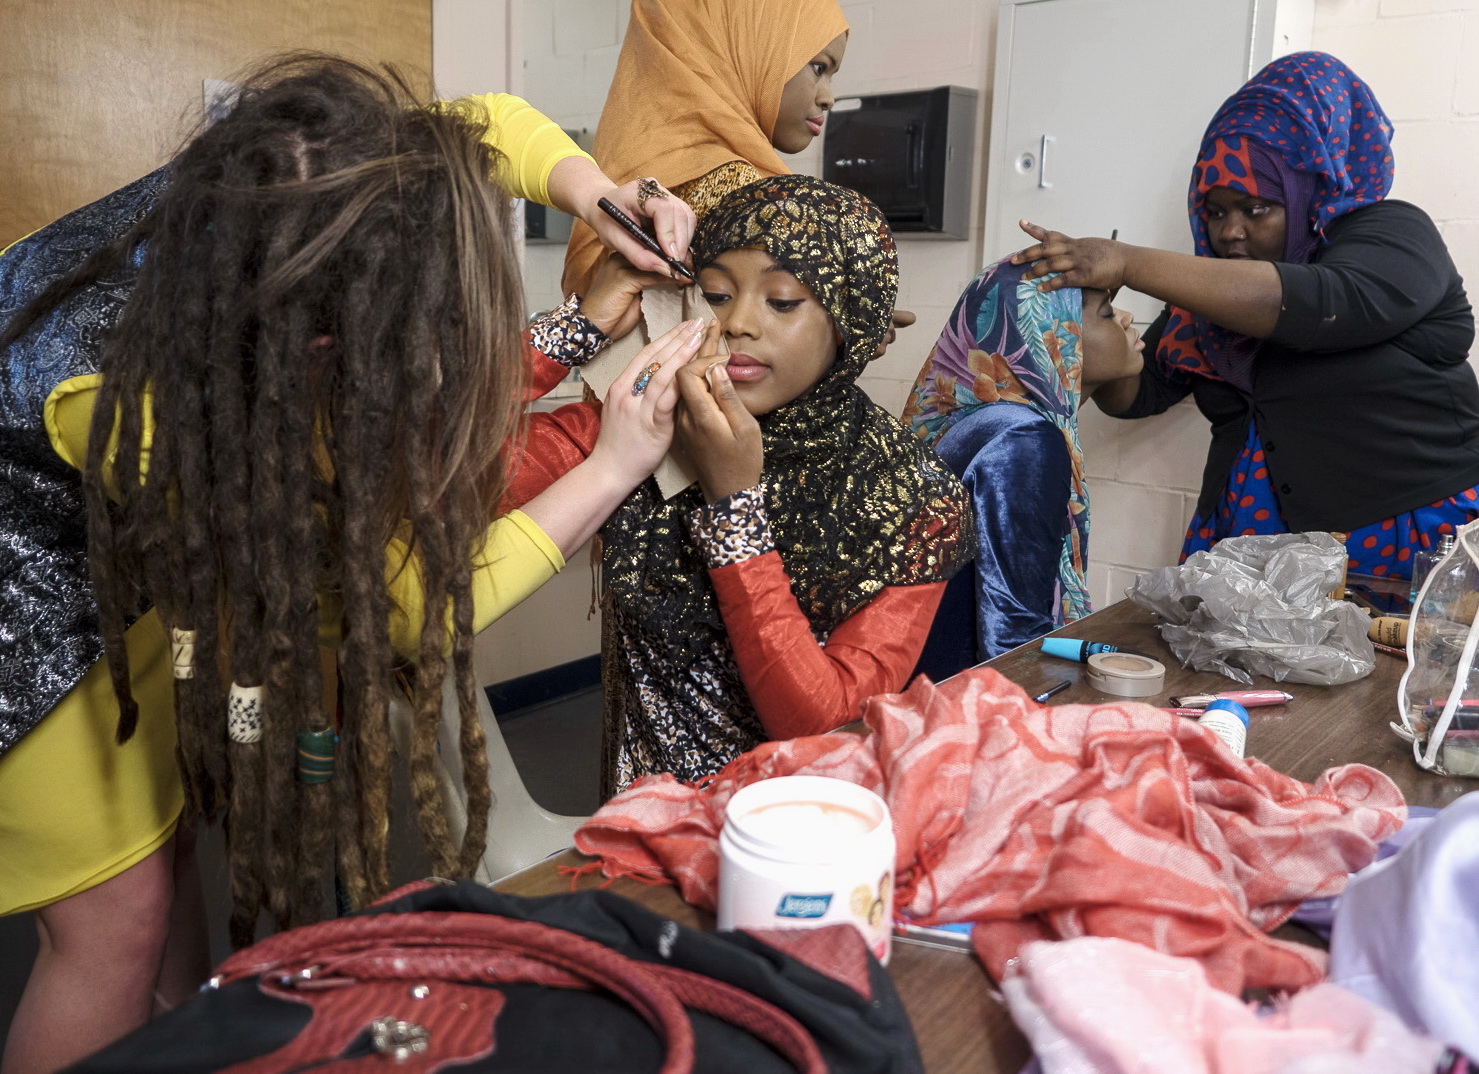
{"x": 998, "y": 398}
{"x": 1015, "y": 465}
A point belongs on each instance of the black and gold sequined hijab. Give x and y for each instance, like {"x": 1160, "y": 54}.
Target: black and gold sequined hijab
{"x": 855, "y": 502}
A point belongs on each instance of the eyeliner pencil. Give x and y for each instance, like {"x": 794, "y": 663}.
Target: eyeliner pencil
{"x": 634, "y": 229}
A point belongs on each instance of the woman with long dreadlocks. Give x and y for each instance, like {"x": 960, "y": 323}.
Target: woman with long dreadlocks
{"x": 289, "y": 373}
{"x": 801, "y": 574}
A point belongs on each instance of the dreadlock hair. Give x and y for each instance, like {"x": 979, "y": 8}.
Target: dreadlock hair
{"x": 321, "y": 355}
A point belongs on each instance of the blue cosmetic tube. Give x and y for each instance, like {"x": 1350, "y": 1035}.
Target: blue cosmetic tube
{"x": 1074, "y": 649}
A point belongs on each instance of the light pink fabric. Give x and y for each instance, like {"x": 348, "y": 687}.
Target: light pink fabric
{"x": 1048, "y": 823}
{"x": 1098, "y": 1005}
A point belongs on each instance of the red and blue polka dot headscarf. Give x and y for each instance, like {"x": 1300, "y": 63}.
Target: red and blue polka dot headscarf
{"x": 1304, "y": 132}
{"x": 1312, "y": 111}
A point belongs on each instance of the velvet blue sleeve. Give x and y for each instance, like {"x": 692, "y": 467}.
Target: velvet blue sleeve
{"x": 1016, "y": 467}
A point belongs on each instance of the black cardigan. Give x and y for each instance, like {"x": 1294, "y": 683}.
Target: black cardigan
{"x": 1365, "y": 401}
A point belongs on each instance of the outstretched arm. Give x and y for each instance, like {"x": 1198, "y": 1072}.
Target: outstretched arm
{"x": 544, "y": 165}
{"x": 636, "y": 431}
{"x": 1242, "y": 296}
{"x": 522, "y": 549}
{"x": 577, "y": 185}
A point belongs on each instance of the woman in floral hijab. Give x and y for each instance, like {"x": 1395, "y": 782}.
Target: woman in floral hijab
{"x": 998, "y": 398}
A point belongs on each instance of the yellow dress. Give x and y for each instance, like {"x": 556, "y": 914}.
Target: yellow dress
{"x": 77, "y": 809}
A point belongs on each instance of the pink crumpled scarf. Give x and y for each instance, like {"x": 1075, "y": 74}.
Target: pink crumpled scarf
{"x": 1043, "y": 823}
{"x": 1103, "y": 1006}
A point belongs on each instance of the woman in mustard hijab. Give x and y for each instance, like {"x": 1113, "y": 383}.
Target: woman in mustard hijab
{"x": 707, "y": 94}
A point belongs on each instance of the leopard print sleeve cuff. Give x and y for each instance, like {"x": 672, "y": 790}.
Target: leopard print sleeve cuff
{"x": 567, "y": 335}
{"x": 733, "y": 529}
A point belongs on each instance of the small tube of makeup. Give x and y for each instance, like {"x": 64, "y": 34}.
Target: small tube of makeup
{"x": 1389, "y": 629}
{"x": 1076, "y": 648}
{"x": 1249, "y": 699}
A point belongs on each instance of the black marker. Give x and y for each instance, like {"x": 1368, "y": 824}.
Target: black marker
{"x": 648, "y": 242}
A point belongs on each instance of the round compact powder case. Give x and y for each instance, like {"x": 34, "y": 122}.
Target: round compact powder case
{"x": 1126, "y": 674}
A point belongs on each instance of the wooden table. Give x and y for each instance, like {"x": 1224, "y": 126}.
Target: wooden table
{"x": 948, "y": 995}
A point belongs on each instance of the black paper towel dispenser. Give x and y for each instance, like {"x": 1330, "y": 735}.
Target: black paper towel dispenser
{"x": 912, "y": 154}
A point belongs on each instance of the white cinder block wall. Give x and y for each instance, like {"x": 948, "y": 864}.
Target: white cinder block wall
{"x": 1420, "y": 56}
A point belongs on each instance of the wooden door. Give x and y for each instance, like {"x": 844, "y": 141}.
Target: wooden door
{"x": 95, "y": 94}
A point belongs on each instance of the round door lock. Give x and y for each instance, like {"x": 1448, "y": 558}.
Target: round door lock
{"x": 1026, "y": 162}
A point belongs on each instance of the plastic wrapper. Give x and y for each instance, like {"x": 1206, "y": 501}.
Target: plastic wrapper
{"x": 1261, "y": 606}
{"x": 1438, "y": 701}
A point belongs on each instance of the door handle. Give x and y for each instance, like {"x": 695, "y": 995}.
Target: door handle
{"x": 1042, "y": 164}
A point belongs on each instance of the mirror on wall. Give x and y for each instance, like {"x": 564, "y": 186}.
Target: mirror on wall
{"x": 570, "y": 49}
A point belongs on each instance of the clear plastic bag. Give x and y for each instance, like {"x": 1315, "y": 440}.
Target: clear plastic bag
{"x": 1260, "y": 605}
{"x": 1438, "y": 700}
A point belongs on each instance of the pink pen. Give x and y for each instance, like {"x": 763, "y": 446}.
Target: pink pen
{"x": 1249, "y": 699}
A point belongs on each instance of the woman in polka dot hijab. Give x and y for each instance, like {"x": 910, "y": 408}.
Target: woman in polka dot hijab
{"x": 1321, "y": 326}
{"x": 1304, "y": 133}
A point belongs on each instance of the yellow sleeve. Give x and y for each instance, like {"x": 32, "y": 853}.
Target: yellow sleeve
{"x": 68, "y": 416}
{"x": 532, "y": 142}
{"x": 517, "y": 558}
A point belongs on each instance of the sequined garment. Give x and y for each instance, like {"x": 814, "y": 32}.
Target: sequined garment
{"x": 854, "y": 503}
{"x": 48, "y": 620}
{"x": 709, "y": 189}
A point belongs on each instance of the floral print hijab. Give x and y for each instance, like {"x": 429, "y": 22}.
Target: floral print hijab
{"x": 1006, "y": 341}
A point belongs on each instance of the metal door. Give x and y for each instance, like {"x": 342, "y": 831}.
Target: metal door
{"x": 1100, "y": 105}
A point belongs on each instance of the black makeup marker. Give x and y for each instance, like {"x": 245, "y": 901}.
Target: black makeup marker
{"x": 635, "y": 230}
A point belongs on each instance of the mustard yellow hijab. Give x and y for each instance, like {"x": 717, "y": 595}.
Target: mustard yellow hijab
{"x": 698, "y": 84}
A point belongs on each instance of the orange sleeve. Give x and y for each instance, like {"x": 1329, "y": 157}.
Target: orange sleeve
{"x": 554, "y": 445}
{"x": 544, "y": 371}
{"x": 797, "y": 686}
